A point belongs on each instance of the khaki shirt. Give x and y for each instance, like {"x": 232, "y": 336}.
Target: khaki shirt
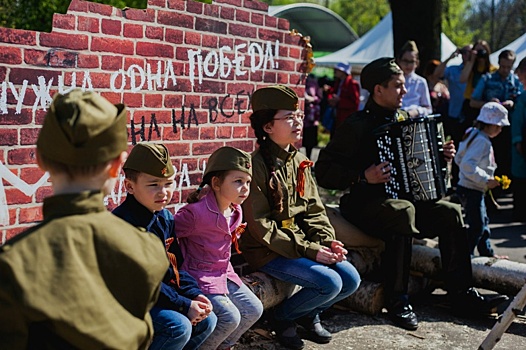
{"x": 300, "y": 230}
{"x": 83, "y": 278}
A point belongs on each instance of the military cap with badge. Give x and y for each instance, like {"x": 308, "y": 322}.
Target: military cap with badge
{"x": 225, "y": 159}
{"x": 378, "y": 71}
{"x": 150, "y": 158}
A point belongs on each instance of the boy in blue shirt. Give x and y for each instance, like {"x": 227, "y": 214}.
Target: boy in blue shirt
{"x": 182, "y": 317}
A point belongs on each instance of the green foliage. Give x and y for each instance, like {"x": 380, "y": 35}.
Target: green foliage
{"x": 362, "y": 15}
{"x": 454, "y": 16}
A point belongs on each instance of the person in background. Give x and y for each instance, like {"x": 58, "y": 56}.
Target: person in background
{"x": 83, "y": 278}
{"x": 344, "y": 96}
{"x": 416, "y": 101}
{"x": 518, "y": 150}
{"x": 476, "y": 65}
{"x": 182, "y": 317}
{"x": 207, "y": 228}
{"x": 313, "y": 97}
{"x": 476, "y": 162}
{"x": 350, "y": 161}
{"x": 438, "y": 91}
{"x": 454, "y": 118}
{"x": 289, "y": 235}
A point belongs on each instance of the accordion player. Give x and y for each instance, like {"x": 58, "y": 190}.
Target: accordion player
{"x": 414, "y": 149}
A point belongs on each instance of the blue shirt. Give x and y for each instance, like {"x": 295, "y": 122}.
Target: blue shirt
{"x": 173, "y": 297}
{"x": 491, "y": 86}
{"x": 456, "y": 90}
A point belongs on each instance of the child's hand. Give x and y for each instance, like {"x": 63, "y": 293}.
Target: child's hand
{"x": 205, "y": 300}
{"x": 326, "y": 257}
{"x": 492, "y": 183}
{"x": 449, "y": 150}
{"x": 338, "y": 249}
{"x": 197, "y": 312}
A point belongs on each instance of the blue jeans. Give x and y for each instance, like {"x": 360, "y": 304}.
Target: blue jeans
{"x": 322, "y": 285}
{"x": 236, "y": 312}
{"x": 173, "y": 330}
{"x": 477, "y": 220}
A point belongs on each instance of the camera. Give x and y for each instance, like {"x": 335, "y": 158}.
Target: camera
{"x": 481, "y": 53}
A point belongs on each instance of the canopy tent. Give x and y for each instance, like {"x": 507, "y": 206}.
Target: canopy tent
{"x": 518, "y": 45}
{"x": 327, "y": 30}
{"x": 376, "y": 43}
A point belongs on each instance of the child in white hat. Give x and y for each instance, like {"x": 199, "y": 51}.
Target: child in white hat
{"x": 477, "y": 165}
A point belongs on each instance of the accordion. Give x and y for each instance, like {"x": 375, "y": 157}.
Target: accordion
{"x": 414, "y": 149}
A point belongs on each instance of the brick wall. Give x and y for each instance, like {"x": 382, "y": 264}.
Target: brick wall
{"x": 186, "y": 70}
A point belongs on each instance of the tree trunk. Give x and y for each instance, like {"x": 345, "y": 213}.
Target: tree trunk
{"x": 420, "y": 21}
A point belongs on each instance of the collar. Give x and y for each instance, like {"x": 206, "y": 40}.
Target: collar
{"x": 382, "y": 114}
{"x": 211, "y": 204}
{"x": 141, "y": 215}
{"x": 280, "y": 153}
{"x": 73, "y": 204}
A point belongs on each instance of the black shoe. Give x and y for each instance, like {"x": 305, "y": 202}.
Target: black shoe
{"x": 315, "y": 330}
{"x": 471, "y": 303}
{"x": 403, "y": 316}
{"x": 281, "y": 327}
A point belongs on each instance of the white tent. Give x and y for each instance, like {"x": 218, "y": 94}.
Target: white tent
{"x": 518, "y": 45}
{"x": 376, "y": 43}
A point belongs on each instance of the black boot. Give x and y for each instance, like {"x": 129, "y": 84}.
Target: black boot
{"x": 315, "y": 330}
{"x": 401, "y": 314}
{"x": 285, "y": 332}
{"x": 471, "y": 303}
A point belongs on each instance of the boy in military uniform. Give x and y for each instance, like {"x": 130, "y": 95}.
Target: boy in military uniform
{"x": 76, "y": 280}
{"x": 182, "y": 317}
{"x": 350, "y": 162}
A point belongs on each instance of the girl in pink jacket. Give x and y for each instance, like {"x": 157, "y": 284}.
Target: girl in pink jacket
{"x": 206, "y": 229}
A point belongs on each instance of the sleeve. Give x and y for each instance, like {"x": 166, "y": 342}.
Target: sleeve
{"x": 478, "y": 91}
{"x": 179, "y": 298}
{"x": 425, "y": 99}
{"x": 351, "y": 97}
{"x": 184, "y": 222}
{"x": 518, "y": 117}
{"x": 336, "y": 167}
{"x": 286, "y": 242}
{"x": 469, "y": 165}
{"x": 14, "y": 329}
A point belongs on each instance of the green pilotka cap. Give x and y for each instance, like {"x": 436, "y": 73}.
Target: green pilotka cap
{"x": 150, "y": 158}
{"x": 83, "y": 128}
{"x": 228, "y": 158}
{"x": 378, "y": 71}
{"x": 274, "y": 97}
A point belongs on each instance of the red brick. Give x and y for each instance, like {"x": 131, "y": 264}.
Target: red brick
{"x": 256, "y": 5}
{"x": 240, "y": 132}
{"x": 242, "y": 16}
{"x": 192, "y": 38}
{"x": 43, "y": 192}
{"x": 12, "y": 232}
{"x": 173, "y": 100}
{"x": 3, "y": 73}
{"x": 211, "y": 86}
{"x": 113, "y": 63}
{"x": 101, "y": 9}
{"x": 212, "y": 10}
{"x": 28, "y": 136}
{"x": 176, "y": 4}
{"x": 174, "y": 36}
{"x": 270, "y": 77}
{"x": 62, "y": 59}
{"x": 147, "y": 15}
{"x": 154, "y": 32}
{"x": 228, "y": 13}
{"x": 25, "y": 117}
{"x": 210, "y": 40}
{"x": 194, "y": 7}
{"x": 12, "y": 216}
{"x": 210, "y": 25}
{"x": 224, "y": 132}
{"x": 64, "y": 21}
{"x": 9, "y": 137}
{"x": 113, "y": 97}
{"x": 88, "y": 61}
{"x": 237, "y": 3}
{"x": 257, "y": 18}
{"x": 29, "y": 215}
{"x": 104, "y": 44}
{"x": 129, "y": 61}
{"x": 132, "y": 100}
{"x": 111, "y": 27}
{"x": 18, "y": 36}
{"x": 191, "y": 133}
{"x": 31, "y": 174}
{"x": 10, "y": 55}
{"x": 283, "y": 24}
{"x": 88, "y": 24}
{"x": 63, "y": 40}
{"x": 175, "y": 19}
{"x": 21, "y": 156}
{"x": 100, "y": 80}
{"x": 133, "y": 30}
{"x": 168, "y": 134}
{"x": 150, "y": 49}
{"x": 78, "y": 5}
{"x": 242, "y": 30}
{"x": 207, "y": 148}
{"x": 36, "y": 57}
{"x": 153, "y": 100}
{"x": 225, "y": 41}
{"x": 269, "y": 34}
{"x": 15, "y": 196}
{"x": 246, "y": 145}
{"x": 295, "y": 52}
{"x": 207, "y": 133}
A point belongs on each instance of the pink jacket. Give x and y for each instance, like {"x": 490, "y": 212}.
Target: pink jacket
{"x": 206, "y": 241}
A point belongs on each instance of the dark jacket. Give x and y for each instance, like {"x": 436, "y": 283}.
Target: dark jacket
{"x": 161, "y": 223}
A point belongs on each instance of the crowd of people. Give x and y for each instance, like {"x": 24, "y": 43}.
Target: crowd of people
{"x": 87, "y": 278}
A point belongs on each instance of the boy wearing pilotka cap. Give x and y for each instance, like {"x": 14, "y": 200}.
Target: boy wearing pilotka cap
{"x": 182, "y": 317}
{"x": 76, "y": 280}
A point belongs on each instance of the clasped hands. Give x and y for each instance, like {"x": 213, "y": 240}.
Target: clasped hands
{"x": 336, "y": 253}
{"x": 199, "y": 309}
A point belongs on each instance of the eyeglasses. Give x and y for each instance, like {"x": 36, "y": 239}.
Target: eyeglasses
{"x": 293, "y": 116}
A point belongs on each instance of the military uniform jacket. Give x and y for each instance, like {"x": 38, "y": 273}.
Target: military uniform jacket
{"x": 300, "y": 230}
{"x": 352, "y": 150}
{"x": 174, "y": 296}
{"x": 83, "y": 278}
